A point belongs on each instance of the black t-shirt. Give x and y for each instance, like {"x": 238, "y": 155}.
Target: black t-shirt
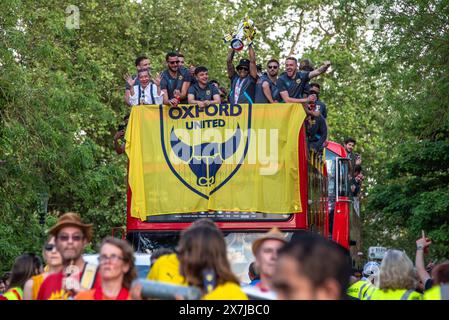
{"x": 171, "y": 84}
{"x": 321, "y": 107}
{"x": 296, "y": 86}
{"x": 260, "y": 95}
{"x": 203, "y": 94}
{"x": 247, "y": 91}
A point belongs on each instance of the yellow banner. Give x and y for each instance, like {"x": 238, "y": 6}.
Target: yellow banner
{"x": 222, "y": 157}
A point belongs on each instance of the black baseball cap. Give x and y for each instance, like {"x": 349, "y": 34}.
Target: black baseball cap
{"x": 243, "y": 63}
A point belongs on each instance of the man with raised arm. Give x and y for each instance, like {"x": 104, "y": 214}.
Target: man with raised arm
{"x": 243, "y": 82}
{"x": 293, "y": 82}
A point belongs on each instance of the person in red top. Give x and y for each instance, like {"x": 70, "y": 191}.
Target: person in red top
{"x": 117, "y": 270}
{"x": 72, "y": 236}
{"x": 265, "y": 251}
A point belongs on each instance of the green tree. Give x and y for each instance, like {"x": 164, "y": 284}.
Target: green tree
{"x": 413, "y": 194}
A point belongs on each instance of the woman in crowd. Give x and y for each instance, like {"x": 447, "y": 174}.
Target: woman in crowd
{"x": 397, "y": 278}
{"x": 25, "y": 266}
{"x": 53, "y": 262}
{"x": 117, "y": 270}
{"x": 204, "y": 263}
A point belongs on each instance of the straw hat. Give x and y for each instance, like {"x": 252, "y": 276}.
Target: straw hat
{"x": 273, "y": 234}
{"x": 71, "y": 219}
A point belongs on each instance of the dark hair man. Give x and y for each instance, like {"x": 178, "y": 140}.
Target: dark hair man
{"x": 266, "y": 89}
{"x": 355, "y": 158}
{"x": 349, "y": 145}
{"x": 141, "y": 62}
{"x": 243, "y": 83}
{"x": 188, "y": 73}
{"x": 320, "y": 106}
{"x": 174, "y": 85}
{"x": 312, "y": 268}
{"x": 316, "y": 131}
{"x": 292, "y": 83}
{"x": 203, "y": 93}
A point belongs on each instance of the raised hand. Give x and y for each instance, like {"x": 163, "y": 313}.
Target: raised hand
{"x": 129, "y": 79}
{"x": 157, "y": 79}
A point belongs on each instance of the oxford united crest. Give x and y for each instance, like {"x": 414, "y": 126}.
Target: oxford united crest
{"x": 205, "y": 147}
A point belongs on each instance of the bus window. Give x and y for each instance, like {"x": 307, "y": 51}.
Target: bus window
{"x": 331, "y": 172}
{"x": 343, "y": 177}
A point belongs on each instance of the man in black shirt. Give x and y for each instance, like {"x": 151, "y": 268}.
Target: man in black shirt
{"x": 203, "y": 93}
{"x": 173, "y": 84}
{"x": 316, "y": 130}
{"x": 243, "y": 82}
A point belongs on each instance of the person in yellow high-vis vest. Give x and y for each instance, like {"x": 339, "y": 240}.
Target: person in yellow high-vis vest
{"x": 440, "y": 288}
{"x": 397, "y": 279}
{"x": 364, "y": 287}
{"x": 438, "y": 292}
{"x": 358, "y": 289}
{"x": 25, "y": 266}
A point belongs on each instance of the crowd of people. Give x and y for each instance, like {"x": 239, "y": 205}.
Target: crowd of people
{"x": 249, "y": 84}
{"x": 305, "y": 266}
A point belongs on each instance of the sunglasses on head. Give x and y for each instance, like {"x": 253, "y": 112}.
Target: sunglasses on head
{"x": 49, "y": 247}
{"x": 272, "y": 67}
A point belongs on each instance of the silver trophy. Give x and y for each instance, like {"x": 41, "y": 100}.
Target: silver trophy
{"x": 245, "y": 32}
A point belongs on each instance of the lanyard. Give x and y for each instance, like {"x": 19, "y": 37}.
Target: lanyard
{"x": 238, "y": 88}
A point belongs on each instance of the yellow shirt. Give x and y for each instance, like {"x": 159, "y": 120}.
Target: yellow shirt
{"x": 166, "y": 269}
{"x": 227, "y": 291}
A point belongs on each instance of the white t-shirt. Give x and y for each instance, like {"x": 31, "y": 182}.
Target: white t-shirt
{"x": 146, "y": 95}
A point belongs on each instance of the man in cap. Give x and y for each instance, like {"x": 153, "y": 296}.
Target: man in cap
{"x": 265, "y": 250}
{"x": 71, "y": 237}
{"x": 243, "y": 83}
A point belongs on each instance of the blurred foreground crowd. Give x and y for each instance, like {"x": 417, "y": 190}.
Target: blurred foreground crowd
{"x": 304, "y": 267}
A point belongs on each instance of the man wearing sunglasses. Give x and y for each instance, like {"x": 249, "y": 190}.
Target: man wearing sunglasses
{"x": 174, "y": 84}
{"x": 266, "y": 89}
{"x": 72, "y": 236}
{"x": 243, "y": 82}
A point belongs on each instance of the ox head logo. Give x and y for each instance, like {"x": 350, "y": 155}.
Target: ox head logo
{"x": 205, "y": 159}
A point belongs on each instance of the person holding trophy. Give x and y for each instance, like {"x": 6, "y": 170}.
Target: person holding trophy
{"x": 244, "y": 77}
